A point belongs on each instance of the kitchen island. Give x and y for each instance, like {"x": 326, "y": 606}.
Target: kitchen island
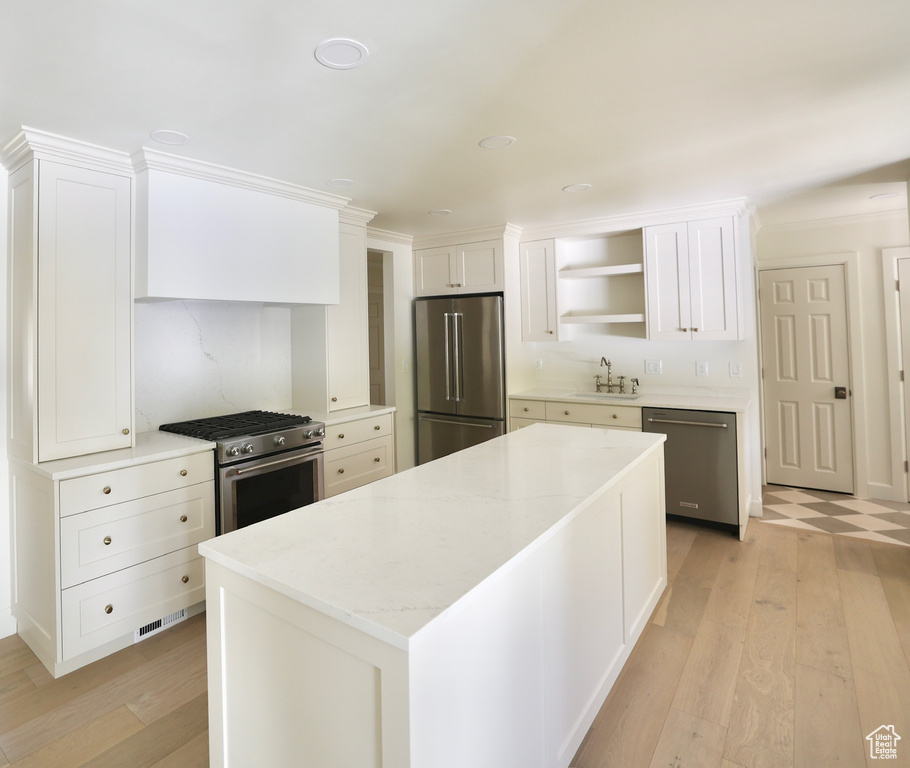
{"x": 473, "y": 611}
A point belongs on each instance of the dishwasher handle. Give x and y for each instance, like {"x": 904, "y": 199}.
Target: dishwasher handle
{"x": 688, "y": 423}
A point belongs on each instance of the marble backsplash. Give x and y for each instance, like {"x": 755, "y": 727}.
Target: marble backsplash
{"x": 198, "y": 358}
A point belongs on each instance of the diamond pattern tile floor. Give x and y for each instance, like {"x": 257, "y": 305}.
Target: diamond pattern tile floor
{"x": 873, "y": 520}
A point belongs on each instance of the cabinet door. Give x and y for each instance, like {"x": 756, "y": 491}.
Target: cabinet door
{"x": 539, "y": 318}
{"x": 84, "y": 312}
{"x": 434, "y": 270}
{"x": 478, "y": 267}
{"x": 348, "y": 342}
{"x": 712, "y": 279}
{"x": 667, "y": 281}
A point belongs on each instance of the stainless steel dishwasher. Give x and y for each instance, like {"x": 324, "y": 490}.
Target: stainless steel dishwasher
{"x": 699, "y": 462}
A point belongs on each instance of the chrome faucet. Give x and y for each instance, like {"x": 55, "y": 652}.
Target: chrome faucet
{"x": 597, "y": 383}
{"x": 634, "y": 385}
{"x": 609, "y": 365}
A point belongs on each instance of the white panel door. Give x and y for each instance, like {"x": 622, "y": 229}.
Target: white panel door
{"x": 478, "y": 267}
{"x": 434, "y": 269}
{"x": 537, "y": 265}
{"x": 667, "y": 281}
{"x": 712, "y": 279}
{"x": 84, "y": 312}
{"x": 808, "y": 432}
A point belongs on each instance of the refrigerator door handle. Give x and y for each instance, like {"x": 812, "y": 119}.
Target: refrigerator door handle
{"x": 447, "y": 319}
{"x": 457, "y": 354}
{"x": 456, "y": 423}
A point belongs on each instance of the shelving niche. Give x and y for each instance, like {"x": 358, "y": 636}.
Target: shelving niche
{"x": 601, "y": 279}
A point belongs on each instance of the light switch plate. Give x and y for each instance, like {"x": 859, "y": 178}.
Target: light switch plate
{"x": 701, "y": 368}
{"x": 653, "y": 367}
{"x": 736, "y": 370}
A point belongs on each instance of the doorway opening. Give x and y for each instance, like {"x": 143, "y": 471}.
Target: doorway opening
{"x": 376, "y": 323}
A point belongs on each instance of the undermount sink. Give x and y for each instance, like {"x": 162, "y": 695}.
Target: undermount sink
{"x": 606, "y": 395}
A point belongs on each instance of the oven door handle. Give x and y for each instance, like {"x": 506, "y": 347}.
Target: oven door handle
{"x": 296, "y": 458}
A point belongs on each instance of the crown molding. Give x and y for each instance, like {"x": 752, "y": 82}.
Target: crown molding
{"x": 467, "y": 236}
{"x": 356, "y": 216}
{"x": 30, "y": 143}
{"x": 854, "y": 218}
{"x": 389, "y": 237}
{"x": 147, "y": 159}
{"x": 737, "y": 206}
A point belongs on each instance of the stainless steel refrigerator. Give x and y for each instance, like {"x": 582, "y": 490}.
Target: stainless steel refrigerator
{"x": 460, "y": 373}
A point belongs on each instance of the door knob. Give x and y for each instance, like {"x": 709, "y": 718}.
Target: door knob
{"x": 840, "y": 393}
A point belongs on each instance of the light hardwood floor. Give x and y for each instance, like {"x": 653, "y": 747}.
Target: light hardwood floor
{"x": 784, "y": 650}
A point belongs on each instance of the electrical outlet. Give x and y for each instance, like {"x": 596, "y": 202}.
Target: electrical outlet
{"x": 538, "y": 364}
{"x": 654, "y": 367}
{"x": 701, "y": 368}
{"x": 736, "y": 370}
{"x": 405, "y": 366}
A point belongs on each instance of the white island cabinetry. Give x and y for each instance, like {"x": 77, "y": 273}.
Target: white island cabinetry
{"x": 104, "y": 545}
{"x": 475, "y": 610}
{"x": 359, "y": 449}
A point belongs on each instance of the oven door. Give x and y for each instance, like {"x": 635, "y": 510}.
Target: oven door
{"x": 257, "y": 490}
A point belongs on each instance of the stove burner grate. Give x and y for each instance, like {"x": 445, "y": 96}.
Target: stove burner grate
{"x": 235, "y": 425}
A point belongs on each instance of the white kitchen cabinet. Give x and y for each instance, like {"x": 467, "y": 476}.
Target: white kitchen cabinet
{"x": 70, "y": 301}
{"x": 455, "y": 269}
{"x": 539, "y": 303}
{"x": 209, "y": 232}
{"x": 357, "y": 452}
{"x": 331, "y": 361}
{"x": 691, "y": 281}
{"x": 523, "y": 413}
{"x": 103, "y": 551}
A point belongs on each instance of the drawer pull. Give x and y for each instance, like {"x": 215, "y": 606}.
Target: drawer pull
{"x": 182, "y": 518}
{"x": 341, "y": 436}
{"x": 566, "y": 413}
{"x": 526, "y": 409}
{"x": 184, "y": 579}
{"x": 341, "y": 471}
{"x": 106, "y": 490}
{"x": 182, "y": 473}
{"x": 108, "y": 609}
{"x": 377, "y": 427}
{"x": 107, "y": 541}
{"x": 615, "y": 415}
{"x": 377, "y": 459}
{"x": 126, "y": 431}
{"x": 334, "y": 399}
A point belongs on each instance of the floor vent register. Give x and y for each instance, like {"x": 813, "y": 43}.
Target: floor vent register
{"x": 159, "y": 625}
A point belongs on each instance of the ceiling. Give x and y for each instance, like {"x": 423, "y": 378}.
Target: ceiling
{"x": 801, "y": 106}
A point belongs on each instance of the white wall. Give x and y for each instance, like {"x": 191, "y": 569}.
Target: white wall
{"x": 7, "y": 623}
{"x": 207, "y": 358}
{"x": 863, "y": 237}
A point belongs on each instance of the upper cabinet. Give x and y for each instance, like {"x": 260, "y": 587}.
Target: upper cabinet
{"x": 70, "y": 313}
{"x": 470, "y": 268}
{"x": 691, "y": 280}
{"x": 208, "y": 232}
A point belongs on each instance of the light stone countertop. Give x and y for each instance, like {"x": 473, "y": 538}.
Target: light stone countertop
{"x": 150, "y": 446}
{"x": 695, "y": 398}
{"x": 346, "y": 415}
{"x": 391, "y": 556}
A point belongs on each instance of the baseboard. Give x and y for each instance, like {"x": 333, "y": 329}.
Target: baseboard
{"x": 884, "y": 492}
{"x": 755, "y": 508}
{"x": 8, "y": 624}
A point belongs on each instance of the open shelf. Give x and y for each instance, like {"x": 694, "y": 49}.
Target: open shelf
{"x": 578, "y": 273}
{"x": 592, "y": 319}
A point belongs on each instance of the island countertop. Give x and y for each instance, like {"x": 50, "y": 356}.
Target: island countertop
{"x": 390, "y": 557}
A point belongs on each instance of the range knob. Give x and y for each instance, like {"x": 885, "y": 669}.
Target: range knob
{"x": 320, "y": 432}
{"x": 247, "y": 448}
{"x": 234, "y": 450}
{"x": 307, "y": 433}
{"x": 279, "y": 440}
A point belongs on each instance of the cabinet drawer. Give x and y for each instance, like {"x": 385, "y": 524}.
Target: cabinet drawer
{"x": 106, "y": 488}
{"x": 528, "y": 409}
{"x": 105, "y": 540}
{"x": 115, "y": 605}
{"x": 599, "y": 415}
{"x": 517, "y": 423}
{"x": 357, "y": 431}
{"x": 356, "y": 465}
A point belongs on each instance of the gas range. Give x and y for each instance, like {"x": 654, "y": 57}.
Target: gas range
{"x": 252, "y": 434}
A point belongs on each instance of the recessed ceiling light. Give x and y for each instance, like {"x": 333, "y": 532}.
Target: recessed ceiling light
{"x": 341, "y": 53}
{"x": 883, "y": 195}
{"x": 174, "y": 138}
{"x": 439, "y": 212}
{"x": 340, "y": 182}
{"x": 498, "y": 142}
{"x": 576, "y": 188}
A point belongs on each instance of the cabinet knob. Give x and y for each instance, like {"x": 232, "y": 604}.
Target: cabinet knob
{"x": 341, "y": 471}
{"x": 334, "y": 399}
{"x": 615, "y": 416}
{"x": 566, "y": 413}
{"x": 184, "y": 579}
{"x": 182, "y": 473}
{"x": 108, "y": 609}
{"x": 695, "y": 330}
{"x": 526, "y": 410}
{"x": 126, "y": 431}
{"x": 341, "y": 436}
{"x": 182, "y": 518}
{"x": 106, "y": 490}
{"x": 551, "y": 331}
{"x": 377, "y": 459}
{"x": 377, "y": 427}
{"x": 107, "y": 541}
